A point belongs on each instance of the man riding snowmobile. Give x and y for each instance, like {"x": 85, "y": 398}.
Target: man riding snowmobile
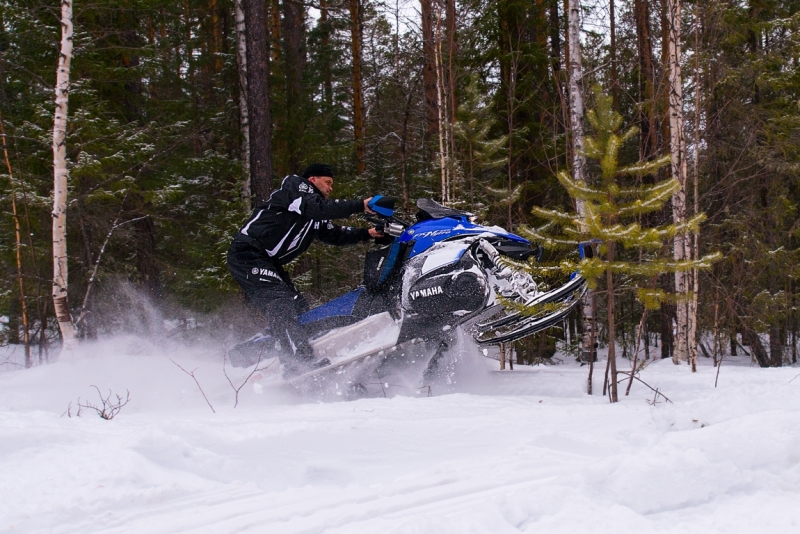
{"x": 277, "y": 232}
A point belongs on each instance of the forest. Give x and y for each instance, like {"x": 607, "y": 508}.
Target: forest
{"x": 183, "y": 116}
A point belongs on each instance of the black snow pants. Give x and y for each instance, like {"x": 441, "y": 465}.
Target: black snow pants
{"x": 270, "y": 290}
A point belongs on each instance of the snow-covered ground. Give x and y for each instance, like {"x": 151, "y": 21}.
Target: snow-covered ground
{"x": 514, "y": 451}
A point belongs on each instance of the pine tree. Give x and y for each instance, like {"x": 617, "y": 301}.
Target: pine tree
{"x": 613, "y": 206}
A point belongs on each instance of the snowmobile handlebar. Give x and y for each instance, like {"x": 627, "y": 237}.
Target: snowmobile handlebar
{"x": 388, "y": 225}
{"x": 382, "y": 205}
{"x": 384, "y": 220}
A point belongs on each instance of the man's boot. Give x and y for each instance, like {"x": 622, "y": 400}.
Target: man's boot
{"x": 302, "y": 361}
{"x": 260, "y": 347}
{"x": 294, "y": 367}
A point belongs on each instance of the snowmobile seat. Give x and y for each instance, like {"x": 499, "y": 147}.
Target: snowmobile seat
{"x": 343, "y": 311}
{"x": 338, "y": 312}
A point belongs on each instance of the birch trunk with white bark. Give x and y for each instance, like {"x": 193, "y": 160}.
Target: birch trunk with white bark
{"x": 678, "y": 150}
{"x": 695, "y": 246}
{"x": 438, "y": 60}
{"x": 578, "y": 161}
{"x": 60, "y": 177}
{"x": 241, "y": 67}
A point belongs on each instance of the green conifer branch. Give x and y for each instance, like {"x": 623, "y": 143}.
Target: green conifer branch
{"x": 608, "y": 208}
{"x": 645, "y": 168}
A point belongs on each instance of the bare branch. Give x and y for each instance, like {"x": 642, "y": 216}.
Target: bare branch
{"x": 108, "y": 408}
{"x": 196, "y": 382}
{"x": 645, "y": 383}
{"x": 255, "y": 368}
{"x": 93, "y": 277}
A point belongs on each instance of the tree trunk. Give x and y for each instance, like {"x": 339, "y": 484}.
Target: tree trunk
{"x": 358, "y": 92}
{"x": 216, "y": 35}
{"x": 274, "y": 31}
{"x": 750, "y": 337}
{"x": 648, "y": 136}
{"x": 612, "y": 357}
{"x": 241, "y": 67}
{"x": 187, "y": 27}
{"x": 775, "y": 346}
{"x": 327, "y": 78}
{"x": 667, "y": 339}
{"x": 441, "y": 108}
{"x": 576, "y": 96}
{"x": 716, "y": 330}
{"x": 429, "y": 68}
{"x": 146, "y": 264}
{"x": 592, "y": 356}
{"x": 60, "y": 178}
{"x": 567, "y": 31}
{"x": 450, "y": 11}
{"x": 614, "y": 75}
{"x": 294, "y": 62}
{"x": 678, "y": 151}
{"x": 555, "y": 38}
{"x": 511, "y": 83}
{"x": 14, "y": 332}
{"x": 258, "y": 101}
{"x": 792, "y": 324}
{"x": 578, "y": 160}
{"x": 694, "y": 251}
{"x": 452, "y": 101}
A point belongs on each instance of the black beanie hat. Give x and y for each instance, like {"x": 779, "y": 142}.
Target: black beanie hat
{"x": 318, "y": 169}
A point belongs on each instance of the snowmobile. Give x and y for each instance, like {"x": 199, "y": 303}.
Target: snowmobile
{"x": 441, "y": 274}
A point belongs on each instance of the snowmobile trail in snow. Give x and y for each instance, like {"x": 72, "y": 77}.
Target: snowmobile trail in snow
{"x": 363, "y": 512}
{"x": 532, "y": 453}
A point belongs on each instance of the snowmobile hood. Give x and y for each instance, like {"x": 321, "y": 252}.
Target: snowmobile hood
{"x": 425, "y": 234}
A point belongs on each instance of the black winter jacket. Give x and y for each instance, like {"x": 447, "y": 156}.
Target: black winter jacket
{"x": 286, "y": 224}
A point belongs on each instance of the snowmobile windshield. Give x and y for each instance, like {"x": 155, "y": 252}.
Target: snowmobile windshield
{"x": 434, "y": 210}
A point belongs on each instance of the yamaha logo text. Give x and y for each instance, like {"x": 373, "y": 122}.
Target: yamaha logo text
{"x": 265, "y": 272}
{"x": 429, "y": 292}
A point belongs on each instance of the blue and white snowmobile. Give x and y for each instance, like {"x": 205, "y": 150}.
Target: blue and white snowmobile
{"x": 443, "y": 273}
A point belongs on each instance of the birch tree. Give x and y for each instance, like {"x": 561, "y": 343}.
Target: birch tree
{"x": 578, "y": 160}
{"x": 60, "y": 177}
{"x": 241, "y": 66}
{"x": 681, "y": 243}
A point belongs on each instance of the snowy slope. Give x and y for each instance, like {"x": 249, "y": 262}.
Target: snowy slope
{"x": 517, "y": 451}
